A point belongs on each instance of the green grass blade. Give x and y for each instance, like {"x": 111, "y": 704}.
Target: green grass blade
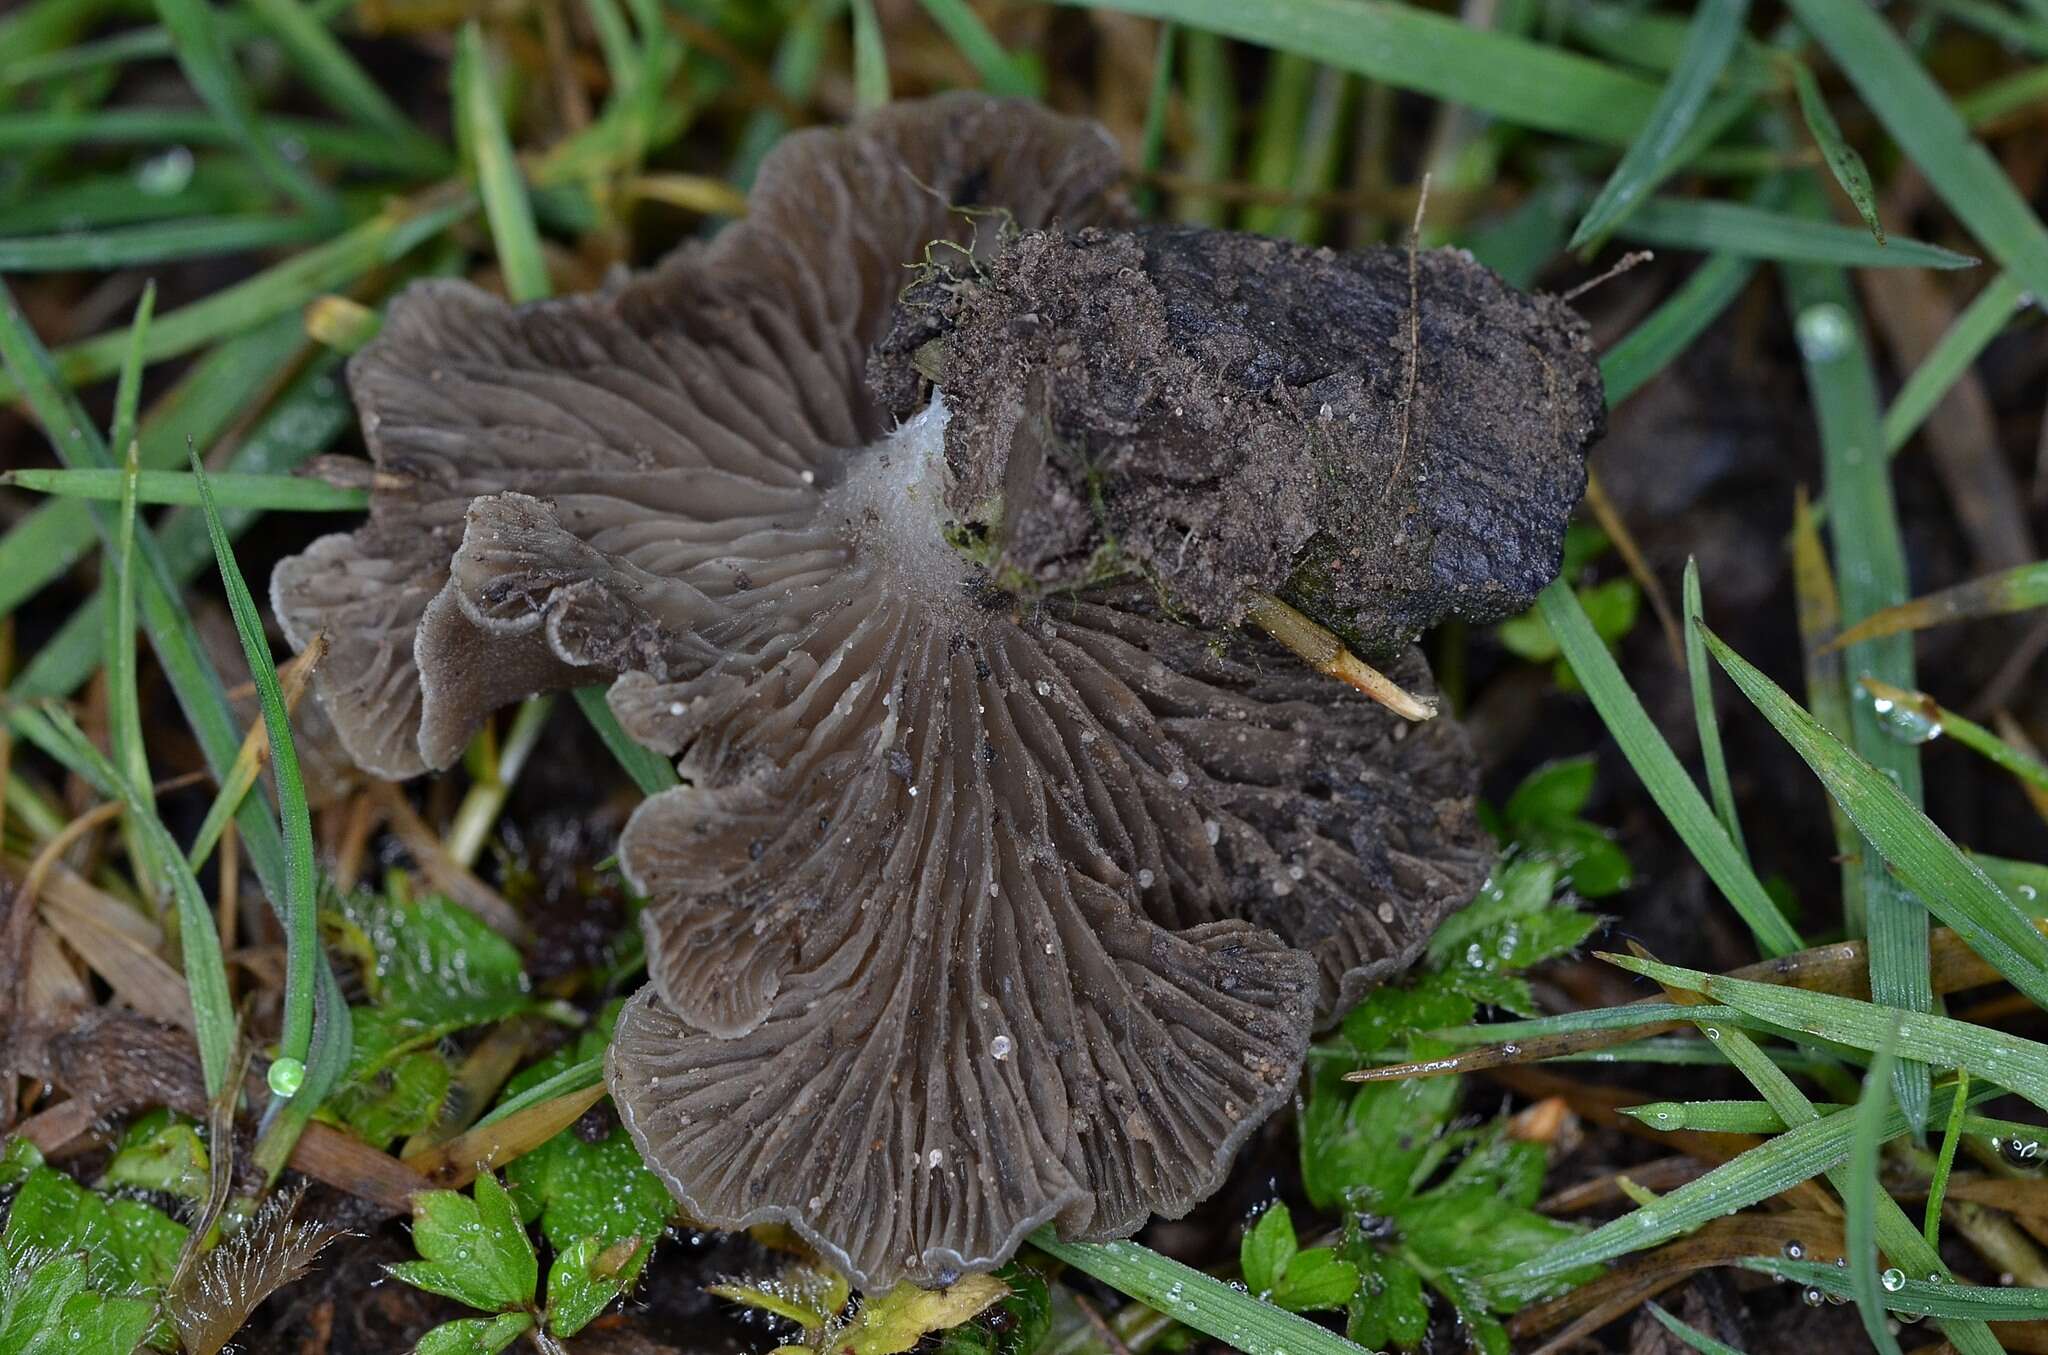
{"x": 1842, "y": 160}
{"x": 1709, "y": 42}
{"x": 1918, "y": 717}
{"x": 268, "y": 493}
{"x": 216, "y": 391}
{"x": 2009, "y": 94}
{"x": 311, "y": 414}
{"x": 1905, "y": 98}
{"x": 650, "y": 771}
{"x": 999, "y": 71}
{"x": 1955, "y": 888}
{"x": 1799, "y": 1154}
{"x": 1827, "y": 690}
{"x": 870, "y": 59}
{"x": 1982, "y": 1303}
{"x": 1158, "y": 103}
{"x": 1870, "y": 563}
{"x": 124, "y": 703}
{"x": 1895, "y": 1232}
{"x": 157, "y": 242}
{"x": 2029, "y": 35}
{"x": 489, "y": 148}
{"x": 284, "y": 287}
{"x": 194, "y": 683}
{"x": 1659, "y": 768}
{"x": 302, "y": 937}
{"x": 194, "y": 26}
{"x": 1944, "y": 1163}
{"x": 1701, "y": 678}
{"x": 1276, "y": 134}
{"x": 1212, "y": 122}
{"x": 1692, "y": 1336}
{"x": 1195, "y": 1299}
{"x": 1757, "y": 233}
{"x": 1670, "y": 329}
{"x": 206, "y": 975}
{"x": 329, "y": 68}
{"x": 1861, "y": 1197}
{"x": 574, "y": 1078}
{"x": 1972, "y": 332}
{"x": 1526, "y": 83}
{"x": 64, "y": 130}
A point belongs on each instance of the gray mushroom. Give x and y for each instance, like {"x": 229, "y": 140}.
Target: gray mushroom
{"x": 996, "y": 892}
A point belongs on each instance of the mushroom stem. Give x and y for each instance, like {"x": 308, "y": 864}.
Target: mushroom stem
{"x": 1318, "y": 646}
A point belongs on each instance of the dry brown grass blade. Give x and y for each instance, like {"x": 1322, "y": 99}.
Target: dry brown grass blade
{"x": 1721, "y": 1242}
{"x": 455, "y": 1163}
{"x": 338, "y": 1159}
{"x": 1638, "y": 567}
{"x": 119, "y": 944}
{"x": 442, "y": 870}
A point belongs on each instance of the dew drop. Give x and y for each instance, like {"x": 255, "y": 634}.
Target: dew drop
{"x": 1825, "y": 332}
{"x": 1813, "y": 1298}
{"x": 1145, "y": 878}
{"x": 999, "y": 1048}
{"x": 1893, "y": 1280}
{"x": 1794, "y": 1252}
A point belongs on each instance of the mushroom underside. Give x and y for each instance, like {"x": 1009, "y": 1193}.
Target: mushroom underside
{"x": 987, "y": 899}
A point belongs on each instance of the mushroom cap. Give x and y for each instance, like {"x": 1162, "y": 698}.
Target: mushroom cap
{"x": 981, "y": 905}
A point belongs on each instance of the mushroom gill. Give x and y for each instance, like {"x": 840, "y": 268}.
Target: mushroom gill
{"x": 998, "y": 891}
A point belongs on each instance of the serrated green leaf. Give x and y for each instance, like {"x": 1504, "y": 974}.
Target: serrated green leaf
{"x": 430, "y": 963}
{"x": 45, "y": 1309}
{"x": 474, "y": 1335}
{"x": 395, "y": 1100}
{"x": 131, "y": 1245}
{"x": 473, "y": 1248}
{"x": 1268, "y": 1246}
{"x": 1363, "y": 1147}
{"x": 1017, "y": 1325}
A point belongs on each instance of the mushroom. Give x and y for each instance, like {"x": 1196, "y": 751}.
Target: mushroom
{"x": 1008, "y": 876}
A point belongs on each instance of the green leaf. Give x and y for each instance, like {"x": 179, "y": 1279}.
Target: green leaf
{"x": 394, "y": 1098}
{"x": 585, "y": 1277}
{"x": 1710, "y": 40}
{"x": 1267, "y": 1248}
{"x": 1556, "y": 792}
{"x": 131, "y": 1245}
{"x": 1952, "y": 886}
{"x": 650, "y": 771}
{"x": 1670, "y": 329}
{"x": 474, "y": 1335}
{"x": 46, "y": 1309}
{"x": 1024, "y": 1323}
{"x": 329, "y": 68}
{"x": 1388, "y": 1309}
{"x": 1981, "y": 322}
{"x": 157, "y": 242}
{"x": 1701, "y": 679}
{"x": 1861, "y": 1230}
{"x": 161, "y": 1151}
{"x": 473, "y": 1250}
{"x": 581, "y": 1189}
{"x": 1364, "y": 1147}
{"x": 430, "y": 963}
{"x": 870, "y": 60}
{"x": 1316, "y": 1279}
{"x": 1932, "y": 1298}
{"x": 194, "y": 26}
{"x": 1718, "y": 227}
